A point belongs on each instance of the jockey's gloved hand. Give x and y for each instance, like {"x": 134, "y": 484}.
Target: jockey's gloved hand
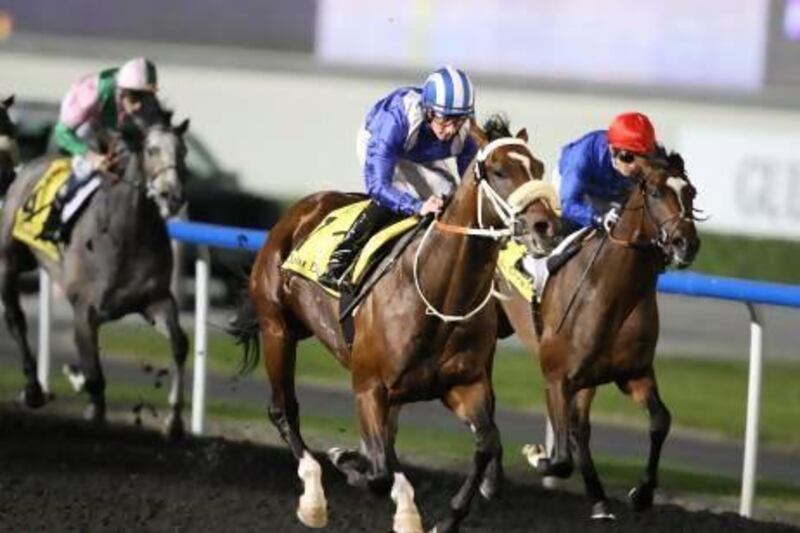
{"x": 607, "y": 220}
{"x": 432, "y": 205}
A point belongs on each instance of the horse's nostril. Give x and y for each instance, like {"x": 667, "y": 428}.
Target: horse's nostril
{"x": 541, "y": 228}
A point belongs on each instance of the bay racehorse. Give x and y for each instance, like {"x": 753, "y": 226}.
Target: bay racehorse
{"x": 118, "y": 259}
{"x": 423, "y": 333}
{"x": 598, "y": 323}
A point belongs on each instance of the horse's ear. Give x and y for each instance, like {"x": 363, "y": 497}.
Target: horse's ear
{"x": 523, "y": 134}
{"x": 8, "y": 102}
{"x": 478, "y": 134}
{"x": 676, "y": 161}
{"x": 181, "y": 128}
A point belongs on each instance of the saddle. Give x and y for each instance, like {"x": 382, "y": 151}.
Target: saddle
{"x": 310, "y": 258}
{"x": 32, "y": 214}
{"x": 516, "y": 270}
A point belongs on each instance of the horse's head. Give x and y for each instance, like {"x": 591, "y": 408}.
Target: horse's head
{"x": 162, "y": 154}
{"x": 513, "y": 192}
{"x": 668, "y": 200}
{"x": 9, "y": 150}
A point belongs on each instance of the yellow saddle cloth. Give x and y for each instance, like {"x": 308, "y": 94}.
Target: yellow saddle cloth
{"x": 508, "y": 264}
{"x": 310, "y": 259}
{"x": 31, "y": 215}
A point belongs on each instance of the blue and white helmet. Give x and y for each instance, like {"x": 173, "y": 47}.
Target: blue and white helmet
{"x": 449, "y": 92}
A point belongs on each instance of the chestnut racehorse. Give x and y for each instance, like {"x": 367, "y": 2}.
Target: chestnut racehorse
{"x": 598, "y": 323}
{"x": 423, "y": 333}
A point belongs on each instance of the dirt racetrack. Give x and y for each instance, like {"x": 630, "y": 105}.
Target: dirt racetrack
{"x": 59, "y": 474}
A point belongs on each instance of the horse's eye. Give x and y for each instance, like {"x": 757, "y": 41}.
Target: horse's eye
{"x": 152, "y": 151}
{"x": 655, "y": 192}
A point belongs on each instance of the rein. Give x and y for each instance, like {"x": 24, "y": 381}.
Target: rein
{"x": 655, "y": 242}
{"x": 507, "y": 210}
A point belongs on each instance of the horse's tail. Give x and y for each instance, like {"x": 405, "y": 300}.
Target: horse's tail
{"x": 244, "y": 327}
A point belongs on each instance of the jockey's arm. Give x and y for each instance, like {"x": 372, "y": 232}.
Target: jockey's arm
{"x": 382, "y": 155}
{"x": 67, "y": 140}
{"x": 466, "y": 156}
{"x": 78, "y": 107}
{"x": 574, "y": 176}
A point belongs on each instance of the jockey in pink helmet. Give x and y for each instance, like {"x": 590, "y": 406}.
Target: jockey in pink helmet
{"x": 94, "y": 105}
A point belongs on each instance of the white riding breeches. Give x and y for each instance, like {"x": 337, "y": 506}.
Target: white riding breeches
{"x": 421, "y": 180}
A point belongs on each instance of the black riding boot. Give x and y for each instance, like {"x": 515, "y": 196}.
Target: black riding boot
{"x": 51, "y": 229}
{"x": 371, "y": 219}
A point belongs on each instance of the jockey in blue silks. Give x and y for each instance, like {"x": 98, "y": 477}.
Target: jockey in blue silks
{"x": 596, "y": 174}
{"x": 597, "y": 170}
{"x": 403, "y": 149}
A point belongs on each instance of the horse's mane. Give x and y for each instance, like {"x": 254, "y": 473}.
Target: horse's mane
{"x": 671, "y": 161}
{"x": 497, "y": 126}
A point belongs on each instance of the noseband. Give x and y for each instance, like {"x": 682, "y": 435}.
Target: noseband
{"x": 661, "y": 239}
{"x": 509, "y": 212}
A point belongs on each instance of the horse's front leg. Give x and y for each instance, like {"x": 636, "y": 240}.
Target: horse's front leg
{"x": 644, "y": 391}
{"x": 559, "y": 462}
{"x": 580, "y": 432}
{"x": 163, "y": 314}
{"x": 32, "y": 395}
{"x": 474, "y": 404}
{"x": 375, "y": 466}
{"x": 92, "y": 381}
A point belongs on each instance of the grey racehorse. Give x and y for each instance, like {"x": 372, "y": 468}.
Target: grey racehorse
{"x": 117, "y": 261}
{"x": 9, "y": 151}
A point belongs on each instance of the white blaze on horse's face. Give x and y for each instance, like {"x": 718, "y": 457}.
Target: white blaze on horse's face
{"x": 677, "y": 235}
{"x": 163, "y": 160}
{"x": 525, "y": 160}
{"x": 677, "y": 184}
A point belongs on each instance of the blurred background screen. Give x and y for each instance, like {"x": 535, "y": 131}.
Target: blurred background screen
{"x": 628, "y": 41}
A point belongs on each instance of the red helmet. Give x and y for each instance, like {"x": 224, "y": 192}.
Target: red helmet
{"x": 633, "y": 132}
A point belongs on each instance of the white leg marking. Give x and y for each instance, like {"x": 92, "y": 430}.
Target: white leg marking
{"x": 534, "y": 453}
{"x": 312, "y": 510}
{"x": 406, "y": 517}
{"x": 75, "y": 377}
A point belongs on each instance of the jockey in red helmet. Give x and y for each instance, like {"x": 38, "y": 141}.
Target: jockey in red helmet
{"x": 596, "y": 168}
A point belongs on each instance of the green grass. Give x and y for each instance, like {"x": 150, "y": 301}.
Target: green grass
{"x": 708, "y": 395}
{"x": 747, "y": 257}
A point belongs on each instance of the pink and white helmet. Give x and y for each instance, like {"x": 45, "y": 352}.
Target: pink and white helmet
{"x": 138, "y": 75}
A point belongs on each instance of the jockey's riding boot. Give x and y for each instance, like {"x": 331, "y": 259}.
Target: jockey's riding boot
{"x": 358, "y": 234}
{"x": 51, "y": 228}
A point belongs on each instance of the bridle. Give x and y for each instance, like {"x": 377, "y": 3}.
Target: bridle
{"x": 509, "y": 211}
{"x": 147, "y": 185}
{"x": 662, "y": 233}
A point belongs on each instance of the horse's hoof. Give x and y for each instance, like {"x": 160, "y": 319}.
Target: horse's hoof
{"x": 339, "y": 455}
{"x": 313, "y": 517}
{"x": 492, "y": 482}
{"x": 75, "y": 377}
{"x": 600, "y": 512}
{"x": 33, "y": 396}
{"x": 407, "y": 522}
{"x": 95, "y": 414}
{"x": 445, "y": 526}
{"x": 174, "y": 430}
{"x": 534, "y": 453}
{"x": 641, "y": 498}
{"x": 489, "y": 488}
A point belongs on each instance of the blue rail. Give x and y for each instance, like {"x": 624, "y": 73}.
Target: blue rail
{"x": 686, "y": 283}
{"x": 217, "y": 236}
